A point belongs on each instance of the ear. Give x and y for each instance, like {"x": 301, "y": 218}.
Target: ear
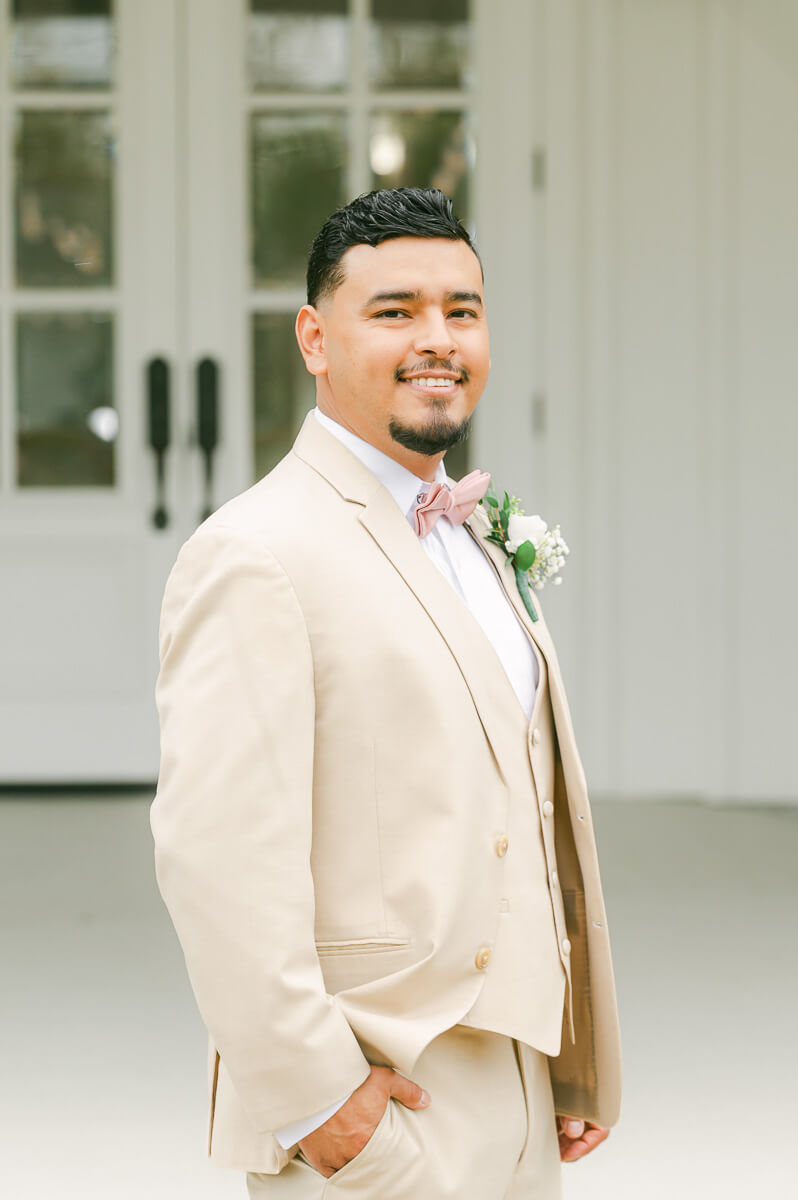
{"x": 310, "y": 335}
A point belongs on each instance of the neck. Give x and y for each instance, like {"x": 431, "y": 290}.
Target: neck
{"x": 423, "y": 466}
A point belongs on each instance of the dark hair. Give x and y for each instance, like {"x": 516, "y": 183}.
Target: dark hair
{"x": 374, "y": 218}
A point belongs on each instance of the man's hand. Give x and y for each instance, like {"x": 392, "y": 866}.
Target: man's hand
{"x": 340, "y": 1139}
{"x": 577, "y": 1138}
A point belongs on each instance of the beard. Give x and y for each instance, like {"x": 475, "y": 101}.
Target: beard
{"x": 439, "y": 433}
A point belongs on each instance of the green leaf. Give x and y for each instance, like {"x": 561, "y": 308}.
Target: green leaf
{"x": 495, "y": 537}
{"x": 491, "y": 500}
{"x": 504, "y": 518}
{"x": 522, "y": 579}
{"x": 525, "y": 556}
{"x": 506, "y": 504}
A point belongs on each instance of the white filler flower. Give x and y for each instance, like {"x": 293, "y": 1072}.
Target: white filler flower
{"x": 552, "y": 551}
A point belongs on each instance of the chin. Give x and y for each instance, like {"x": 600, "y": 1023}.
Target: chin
{"x": 430, "y": 436}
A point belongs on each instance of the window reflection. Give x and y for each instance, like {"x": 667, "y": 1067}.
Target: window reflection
{"x": 420, "y": 43}
{"x": 64, "y": 178}
{"x": 66, "y": 417}
{"x": 299, "y": 44}
{"x": 298, "y": 162}
{"x": 283, "y": 390}
{"x": 62, "y": 43}
{"x": 423, "y": 149}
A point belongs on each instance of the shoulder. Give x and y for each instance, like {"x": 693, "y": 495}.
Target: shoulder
{"x": 277, "y": 516}
{"x": 246, "y": 534}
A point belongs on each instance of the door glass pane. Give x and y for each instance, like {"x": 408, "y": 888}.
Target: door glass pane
{"x": 420, "y": 43}
{"x": 298, "y": 162}
{"x": 423, "y": 149}
{"x": 283, "y": 390}
{"x": 298, "y": 44}
{"x": 64, "y": 170}
{"x": 62, "y": 43}
{"x": 66, "y": 417}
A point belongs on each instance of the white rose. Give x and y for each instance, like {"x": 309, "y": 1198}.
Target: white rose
{"x": 524, "y": 529}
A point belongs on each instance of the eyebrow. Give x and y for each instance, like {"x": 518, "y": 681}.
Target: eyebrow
{"x": 415, "y": 297}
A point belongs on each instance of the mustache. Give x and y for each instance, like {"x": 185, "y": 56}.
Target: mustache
{"x": 432, "y": 364}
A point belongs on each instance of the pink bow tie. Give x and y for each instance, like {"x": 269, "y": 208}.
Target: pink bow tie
{"x": 456, "y": 504}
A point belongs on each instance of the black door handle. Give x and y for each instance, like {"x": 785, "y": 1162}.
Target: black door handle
{"x": 208, "y": 423}
{"x": 159, "y": 432}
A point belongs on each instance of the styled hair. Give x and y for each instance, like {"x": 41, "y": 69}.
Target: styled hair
{"x": 374, "y": 218}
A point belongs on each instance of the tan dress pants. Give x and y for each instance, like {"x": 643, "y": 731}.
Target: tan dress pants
{"x": 489, "y": 1133}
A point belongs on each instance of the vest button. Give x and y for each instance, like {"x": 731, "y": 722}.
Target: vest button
{"x": 566, "y": 946}
{"x": 482, "y": 958}
{"x": 548, "y": 808}
{"x": 502, "y": 845}
{"x": 554, "y": 878}
{"x": 535, "y": 737}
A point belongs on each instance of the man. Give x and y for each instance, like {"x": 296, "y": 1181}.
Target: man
{"x": 372, "y": 828}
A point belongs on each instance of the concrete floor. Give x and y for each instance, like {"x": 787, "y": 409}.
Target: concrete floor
{"x": 103, "y": 1077}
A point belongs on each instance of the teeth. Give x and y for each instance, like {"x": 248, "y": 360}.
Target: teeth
{"x": 430, "y": 383}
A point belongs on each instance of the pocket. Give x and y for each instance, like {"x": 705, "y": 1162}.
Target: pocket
{"x": 361, "y": 946}
{"x": 362, "y": 1160}
{"x": 390, "y": 1163}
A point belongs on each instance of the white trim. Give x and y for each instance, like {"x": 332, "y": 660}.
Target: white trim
{"x": 360, "y": 93}
{"x": 598, "y": 632}
{"x": 503, "y": 105}
{"x": 7, "y": 414}
{"x": 289, "y": 300}
{"x": 719, "y": 167}
{"x": 60, "y": 100}
{"x": 69, "y": 299}
{"x": 358, "y": 103}
{"x": 215, "y": 235}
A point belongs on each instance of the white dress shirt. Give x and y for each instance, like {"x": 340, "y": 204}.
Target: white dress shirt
{"x": 452, "y": 550}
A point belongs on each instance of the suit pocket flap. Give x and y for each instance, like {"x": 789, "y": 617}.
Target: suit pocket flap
{"x": 361, "y": 945}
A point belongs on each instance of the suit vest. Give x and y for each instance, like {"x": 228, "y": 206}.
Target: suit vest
{"x": 527, "y": 970}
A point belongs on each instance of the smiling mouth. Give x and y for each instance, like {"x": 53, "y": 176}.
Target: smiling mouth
{"x": 433, "y": 385}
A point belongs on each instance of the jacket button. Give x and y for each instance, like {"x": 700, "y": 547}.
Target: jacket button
{"x": 548, "y": 808}
{"x": 482, "y": 958}
{"x": 535, "y": 737}
{"x": 502, "y": 845}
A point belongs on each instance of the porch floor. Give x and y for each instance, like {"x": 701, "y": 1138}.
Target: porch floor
{"x": 104, "y": 1060}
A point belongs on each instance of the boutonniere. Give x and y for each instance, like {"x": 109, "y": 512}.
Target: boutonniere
{"x": 535, "y": 552}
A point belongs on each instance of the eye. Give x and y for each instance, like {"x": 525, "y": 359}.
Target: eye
{"x": 460, "y": 313}
{"x": 391, "y": 313}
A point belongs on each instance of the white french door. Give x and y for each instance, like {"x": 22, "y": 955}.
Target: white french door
{"x": 164, "y": 165}
{"x": 89, "y": 315}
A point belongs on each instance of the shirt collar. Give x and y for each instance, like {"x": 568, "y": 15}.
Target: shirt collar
{"x": 403, "y": 485}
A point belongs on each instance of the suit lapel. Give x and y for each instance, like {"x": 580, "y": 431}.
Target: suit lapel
{"x": 479, "y": 665}
{"x": 536, "y": 629}
{"x": 491, "y": 691}
{"x": 539, "y": 633}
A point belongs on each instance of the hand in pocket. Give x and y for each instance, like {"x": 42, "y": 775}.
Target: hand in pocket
{"x": 339, "y": 1140}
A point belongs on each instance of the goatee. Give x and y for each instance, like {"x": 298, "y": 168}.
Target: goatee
{"x": 438, "y": 435}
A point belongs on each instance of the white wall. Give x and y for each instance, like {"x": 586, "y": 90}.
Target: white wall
{"x": 669, "y": 355}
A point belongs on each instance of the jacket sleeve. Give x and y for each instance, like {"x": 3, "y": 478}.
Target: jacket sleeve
{"x": 232, "y": 824}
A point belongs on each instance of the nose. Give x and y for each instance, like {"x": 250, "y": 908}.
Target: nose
{"x": 433, "y": 336}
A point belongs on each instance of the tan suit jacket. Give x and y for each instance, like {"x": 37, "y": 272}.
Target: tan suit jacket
{"x": 333, "y": 718}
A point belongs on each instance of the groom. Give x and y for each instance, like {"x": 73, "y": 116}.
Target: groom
{"x": 372, "y": 829}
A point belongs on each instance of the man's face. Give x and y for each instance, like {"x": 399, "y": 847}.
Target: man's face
{"x": 402, "y": 352}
